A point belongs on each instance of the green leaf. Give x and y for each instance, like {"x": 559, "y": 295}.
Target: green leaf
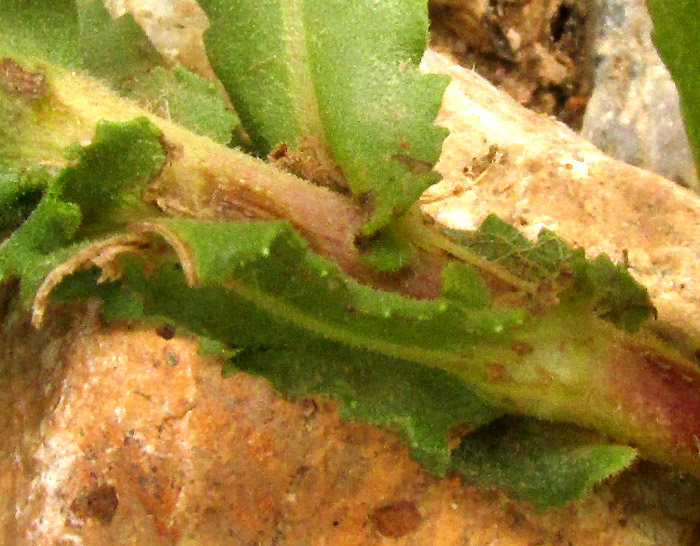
{"x": 289, "y": 66}
{"x": 502, "y": 243}
{"x": 188, "y": 100}
{"x": 618, "y": 297}
{"x": 257, "y": 287}
{"x": 268, "y": 265}
{"x": 676, "y": 28}
{"x": 213, "y": 347}
{"x": 423, "y": 404}
{"x": 386, "y": 250}
{"x": 261, "y": 289}
{"x": 82, "y": 34}
{"x": 20, "y": 192}
{"x": 40, "y": 29}
{"x": 462, "y": 282}
{"x": 548, "y": 464}
{"x": 37, "y": 246}
{"x": 98, "y": 192}
{"x": 118, "y": 51}
{"x": 108, "y": 176}
{"x": 115, "y": 50}
{"x": 555, "y": 272}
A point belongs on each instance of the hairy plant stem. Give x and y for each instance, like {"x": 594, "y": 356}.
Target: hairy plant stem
{"x": 565, "y": 365}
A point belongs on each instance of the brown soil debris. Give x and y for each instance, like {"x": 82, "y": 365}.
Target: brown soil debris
{"x": 532, "y": 49}
{"x": 21, "y": 83}
{"x": 309, "y": 160}
{"x": 396, "y": 519}
{"x": 100, "y": 503}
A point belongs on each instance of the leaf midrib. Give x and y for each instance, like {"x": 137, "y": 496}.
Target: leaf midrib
{"x": 301, "y": 84}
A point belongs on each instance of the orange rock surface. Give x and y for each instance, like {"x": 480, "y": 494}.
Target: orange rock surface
{"x": 117, "y": 435}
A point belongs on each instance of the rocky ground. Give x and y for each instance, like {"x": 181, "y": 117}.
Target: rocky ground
{"x": 123, "y": 434}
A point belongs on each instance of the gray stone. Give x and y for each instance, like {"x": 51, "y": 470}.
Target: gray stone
{"x": 633, "y": 113}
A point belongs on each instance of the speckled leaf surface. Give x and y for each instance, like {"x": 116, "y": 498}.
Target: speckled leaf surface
{"x": 547, "y": 464}
{"x": 341, "y": 78}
